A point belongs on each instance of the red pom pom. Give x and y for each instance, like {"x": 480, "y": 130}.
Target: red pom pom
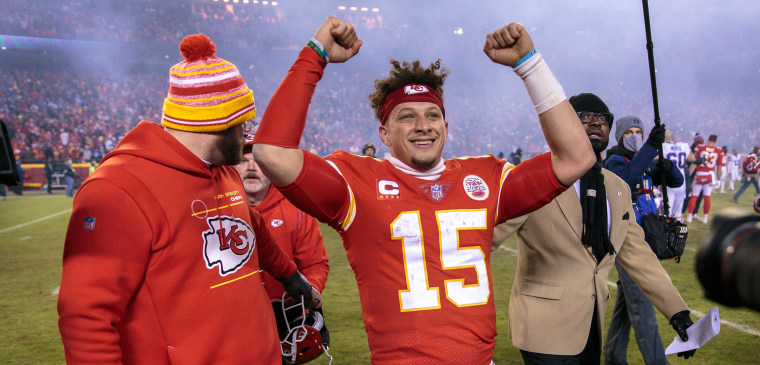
{"x": 196, "y": 46}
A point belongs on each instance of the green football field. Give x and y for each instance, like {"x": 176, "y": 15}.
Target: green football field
{"x": 33, "y": 228}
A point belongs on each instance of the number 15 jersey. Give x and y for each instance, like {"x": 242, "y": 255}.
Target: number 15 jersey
{"x": 420, "y": 251}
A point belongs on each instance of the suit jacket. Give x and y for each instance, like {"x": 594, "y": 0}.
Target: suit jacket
{"x": 558, "y": 279}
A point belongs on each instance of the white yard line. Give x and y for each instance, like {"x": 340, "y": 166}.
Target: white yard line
{"x": 740, "y": 327}
{"x": 35, "y": 221}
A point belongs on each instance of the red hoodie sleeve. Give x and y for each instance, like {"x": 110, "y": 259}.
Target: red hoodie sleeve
{"x": 105, "y": 256}
{"x": 271, "y": 257}
{"x": 309, "y": 252}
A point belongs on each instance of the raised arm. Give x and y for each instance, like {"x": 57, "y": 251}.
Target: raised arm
{"x": 571, "y": 150}
{"x": 276, "y": 149}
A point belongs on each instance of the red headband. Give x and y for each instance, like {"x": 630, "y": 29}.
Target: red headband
{"x": 409, "y": 93}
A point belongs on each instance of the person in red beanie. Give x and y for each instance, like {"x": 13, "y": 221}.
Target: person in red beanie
{"x": 417, "y": 228}
{"x": 162, "y": 254}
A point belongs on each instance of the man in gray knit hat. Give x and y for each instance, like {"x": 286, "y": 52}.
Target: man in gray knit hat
{"x": 635, "y": 161}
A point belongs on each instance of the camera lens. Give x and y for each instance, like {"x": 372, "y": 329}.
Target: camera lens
{"x": 728, "y": 265}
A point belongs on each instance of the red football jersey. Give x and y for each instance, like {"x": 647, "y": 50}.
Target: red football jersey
{"x": 421, "y": 251}
{"x": 712, "y": 155}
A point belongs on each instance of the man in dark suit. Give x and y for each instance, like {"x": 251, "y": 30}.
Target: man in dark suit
{"x": 566, "y": 250}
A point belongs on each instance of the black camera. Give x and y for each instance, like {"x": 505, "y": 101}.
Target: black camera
{"x": 728, "y": 265}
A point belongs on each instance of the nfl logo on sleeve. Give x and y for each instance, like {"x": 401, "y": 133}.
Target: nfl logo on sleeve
{"x": 88, "y": 224}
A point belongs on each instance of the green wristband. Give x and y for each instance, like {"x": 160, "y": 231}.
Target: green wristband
{"x": 317, "y": 46}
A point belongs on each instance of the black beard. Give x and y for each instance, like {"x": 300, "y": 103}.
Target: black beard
{"x": 599, "y": 146}
{"x": 425, "y": 164}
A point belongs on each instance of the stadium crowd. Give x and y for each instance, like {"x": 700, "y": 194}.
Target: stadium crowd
{"x": 80, "y": 114}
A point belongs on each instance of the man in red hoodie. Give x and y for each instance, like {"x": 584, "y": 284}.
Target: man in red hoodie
{"x": 296, "y": 232}
{"x": 162, "y": 257}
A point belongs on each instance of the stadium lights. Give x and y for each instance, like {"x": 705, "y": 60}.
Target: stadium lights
{"x": 458, "y": 30}
{"x": 265, "y": 2}
{"x": 356, "y": 8}
{"x": 274, "y": 3}
{"x": 245, "y": 1}
{"x": 235, "y": 1}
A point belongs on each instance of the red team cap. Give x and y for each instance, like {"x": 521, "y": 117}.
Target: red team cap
{"x": 206, "y": 93}
{"x": 409, "y": 93}
{"x": 249, "y": 139}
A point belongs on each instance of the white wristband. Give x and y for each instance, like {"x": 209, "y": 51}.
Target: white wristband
{"x": 543, "y": 88}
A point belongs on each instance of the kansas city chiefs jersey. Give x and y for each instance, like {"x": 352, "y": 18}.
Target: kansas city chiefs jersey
{"x": 712, "y": 155}
{"x": 420, "y": 251}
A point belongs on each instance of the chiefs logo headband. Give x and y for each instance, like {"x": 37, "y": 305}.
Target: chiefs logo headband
{"x": 406, "y": 94}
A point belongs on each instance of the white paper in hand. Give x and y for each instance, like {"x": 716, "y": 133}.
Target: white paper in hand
{"x": 699, "y": 333}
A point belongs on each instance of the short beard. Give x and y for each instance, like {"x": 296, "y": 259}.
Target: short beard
{"x": 424, "y": 164}
{"x": 600, "y": 146}
{"x": 262, "y": 186}
{"x": 230, "y": 147}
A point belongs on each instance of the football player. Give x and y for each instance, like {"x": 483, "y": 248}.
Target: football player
{"x": 676, "y": 152}
{"x": 417, "y": 229}
{"x": 711, "y": 156}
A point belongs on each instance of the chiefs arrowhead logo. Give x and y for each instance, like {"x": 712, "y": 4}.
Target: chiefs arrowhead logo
{"x": 415, "y": 89}
{"x": 276, "y": 222}
{"x": 228, "y": 243}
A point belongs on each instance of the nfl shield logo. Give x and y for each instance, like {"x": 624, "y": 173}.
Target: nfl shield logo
{"x": 436, "y": 191}
{"x": 88, "y": 224}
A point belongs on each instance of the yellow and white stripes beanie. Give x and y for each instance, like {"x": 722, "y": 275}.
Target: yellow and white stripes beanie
{"x": 206, "y": 93}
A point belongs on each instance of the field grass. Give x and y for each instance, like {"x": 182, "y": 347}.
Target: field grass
{"x": 31, "y": 271}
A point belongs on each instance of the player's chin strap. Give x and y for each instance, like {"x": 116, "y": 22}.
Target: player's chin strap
{"x": 329, "y": 357}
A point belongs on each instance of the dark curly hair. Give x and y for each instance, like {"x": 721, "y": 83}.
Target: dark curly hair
{"x": 407, "y": 73}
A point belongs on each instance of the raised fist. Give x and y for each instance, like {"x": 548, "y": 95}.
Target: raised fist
{"x": 339, "y": 39}
{"x": 508, "y": 44}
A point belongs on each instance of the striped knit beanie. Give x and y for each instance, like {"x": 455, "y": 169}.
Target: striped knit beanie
{"x": 206, "y": 93}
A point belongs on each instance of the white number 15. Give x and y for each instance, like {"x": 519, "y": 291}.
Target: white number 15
{"x": 419, "y": 295}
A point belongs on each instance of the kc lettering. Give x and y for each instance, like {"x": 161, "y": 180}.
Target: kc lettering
{"x": 228, "y": 243}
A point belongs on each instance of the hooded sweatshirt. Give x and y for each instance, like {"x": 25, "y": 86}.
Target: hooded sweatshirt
{"x": 298, "y": 235}
{"x": 161, "y": 262}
